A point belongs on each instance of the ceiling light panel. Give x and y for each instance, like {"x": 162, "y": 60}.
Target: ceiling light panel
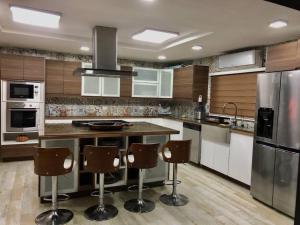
{"x": 162, "y": 57}
{"x": 35, "y": 17}
{"x": 278, "y": 24}
{"x": 84, "y": 48}
{"x": 154, "y": 36}
{"x": 197, "y": 47}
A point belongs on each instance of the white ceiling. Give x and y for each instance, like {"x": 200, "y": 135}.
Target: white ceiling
{"x": 222, "y": 25}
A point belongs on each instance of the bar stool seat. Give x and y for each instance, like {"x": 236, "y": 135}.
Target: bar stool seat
{"x": 53, "y": 162}
{"x": 141, "y": 156}
{"x": 101, "y": 160}
{"x": 180, "y": 153}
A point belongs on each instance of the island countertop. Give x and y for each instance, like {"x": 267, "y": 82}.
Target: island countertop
{"x": 61, "y": 131}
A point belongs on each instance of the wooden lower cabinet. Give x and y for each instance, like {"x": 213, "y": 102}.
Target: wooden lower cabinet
{"x": 17, "y": 152}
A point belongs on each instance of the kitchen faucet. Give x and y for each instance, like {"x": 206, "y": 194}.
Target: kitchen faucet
{"x": 235, "y": 114}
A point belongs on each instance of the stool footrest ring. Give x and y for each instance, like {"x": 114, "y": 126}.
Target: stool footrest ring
{"x": 135, "y": 187}
{"x": 170, "y": 182}
{"x": 60, "y": 198}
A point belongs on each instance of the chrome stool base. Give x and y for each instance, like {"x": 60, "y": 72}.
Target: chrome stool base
{"x": 171, "y": 200}
{"x": 54, "y": 217}
{"x": 142, "y": 206}
{"x": 98, "y": 214}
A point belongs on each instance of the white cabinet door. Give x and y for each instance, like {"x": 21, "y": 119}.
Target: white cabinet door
{"x": 221, "y": 158}
{"x": 166, "y": 83}
{"x": 110, "y": 87}
{"x": 240, "y": 160}
{"x": 207, "y": 153}
{"x": 215, "y": 147}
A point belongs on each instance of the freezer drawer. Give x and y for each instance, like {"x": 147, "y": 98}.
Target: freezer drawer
{"x": 263, "y": 173}
{"x": 285, "y": 181}
{"x": 289, "y": 111}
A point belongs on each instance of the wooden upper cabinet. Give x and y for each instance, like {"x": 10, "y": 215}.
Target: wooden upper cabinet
{"x": 282, "y": 57}
{"x": 12, "y": 67}
{"x": 126, "y": 83}
{"x": 190, "y": 82}
{"x": 34, "y": 68}
{"x": 72, "y": 84}
{"x": 54, "y": 77}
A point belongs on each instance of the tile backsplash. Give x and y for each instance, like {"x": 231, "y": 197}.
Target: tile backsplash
{"x": 80, "y": 106}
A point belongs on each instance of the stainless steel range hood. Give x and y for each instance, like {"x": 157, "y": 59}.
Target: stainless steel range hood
{"x": 104, "y": 55}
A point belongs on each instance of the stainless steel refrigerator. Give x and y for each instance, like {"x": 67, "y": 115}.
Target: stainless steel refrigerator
{"x": 277, "y": 140}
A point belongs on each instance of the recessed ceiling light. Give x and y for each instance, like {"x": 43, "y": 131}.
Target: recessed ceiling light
{"x": 84, "y": 48}
{"x": 197, "y": 47}
{"x": 154, "y": 36}
{"x": 148, "y": 0}
{"x": 162, "y": 57}
{"x": 35, "y": 17}
{"x": 278, "y": 24}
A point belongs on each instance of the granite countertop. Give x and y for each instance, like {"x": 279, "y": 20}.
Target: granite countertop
{"x": 240, "y": 130}
{"x": 62, "y": 131}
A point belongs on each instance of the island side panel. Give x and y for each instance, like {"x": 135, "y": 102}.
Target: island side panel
{"x": 67, "y": 183}
{"x": 159, "y": 173}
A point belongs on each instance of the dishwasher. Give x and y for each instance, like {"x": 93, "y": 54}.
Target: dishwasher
{"x": 192, "y": 131}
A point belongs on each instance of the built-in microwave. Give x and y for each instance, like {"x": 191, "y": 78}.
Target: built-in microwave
{"x": 22, "y": 117}
{"x": 22, "y": 91}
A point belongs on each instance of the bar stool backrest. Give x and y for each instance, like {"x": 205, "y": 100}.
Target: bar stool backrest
{"x": 180, "y": 151}
{"x": 145, "y": 155}
{"x": 100, "y": 159}
{"x": 51, "y": 161}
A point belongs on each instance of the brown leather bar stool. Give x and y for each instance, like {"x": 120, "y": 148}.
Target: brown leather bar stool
{"x": 51, "y": 162}
{"x": 176, "y": 152}
{"x": 101, "y": 160}
{"x": 141, "y": 156}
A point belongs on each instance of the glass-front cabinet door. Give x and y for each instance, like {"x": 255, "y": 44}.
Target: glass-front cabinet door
{"x": 99, "y": 86}
{"x": 91, "y": 86}
{"x": 166, "y": 83}
{"x": 153, "y": 83}
{"x": 110, "y": 86}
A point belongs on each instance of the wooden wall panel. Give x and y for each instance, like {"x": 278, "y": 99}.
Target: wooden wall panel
{"x": 72, "y": 83}
{"x": 126, "y": 83}
{"x": 239, "y": 88}
{"x": 282, "y": 57}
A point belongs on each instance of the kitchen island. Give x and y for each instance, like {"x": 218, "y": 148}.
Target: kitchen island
{"x": 80, "y": 182}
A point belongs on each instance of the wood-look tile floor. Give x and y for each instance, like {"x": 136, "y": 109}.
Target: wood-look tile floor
{"x": 213, "y": 201}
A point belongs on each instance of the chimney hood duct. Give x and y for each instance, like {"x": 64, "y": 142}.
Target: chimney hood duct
{"x": 104, "y": 55}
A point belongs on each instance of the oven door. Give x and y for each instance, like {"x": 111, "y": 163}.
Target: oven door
{"x": 22, "y": 119}
{"x": 20, "y": 91}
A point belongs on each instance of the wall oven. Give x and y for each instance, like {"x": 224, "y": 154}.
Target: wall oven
{"x": 22, "y": 91}
{"x": 22, "y": 117}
